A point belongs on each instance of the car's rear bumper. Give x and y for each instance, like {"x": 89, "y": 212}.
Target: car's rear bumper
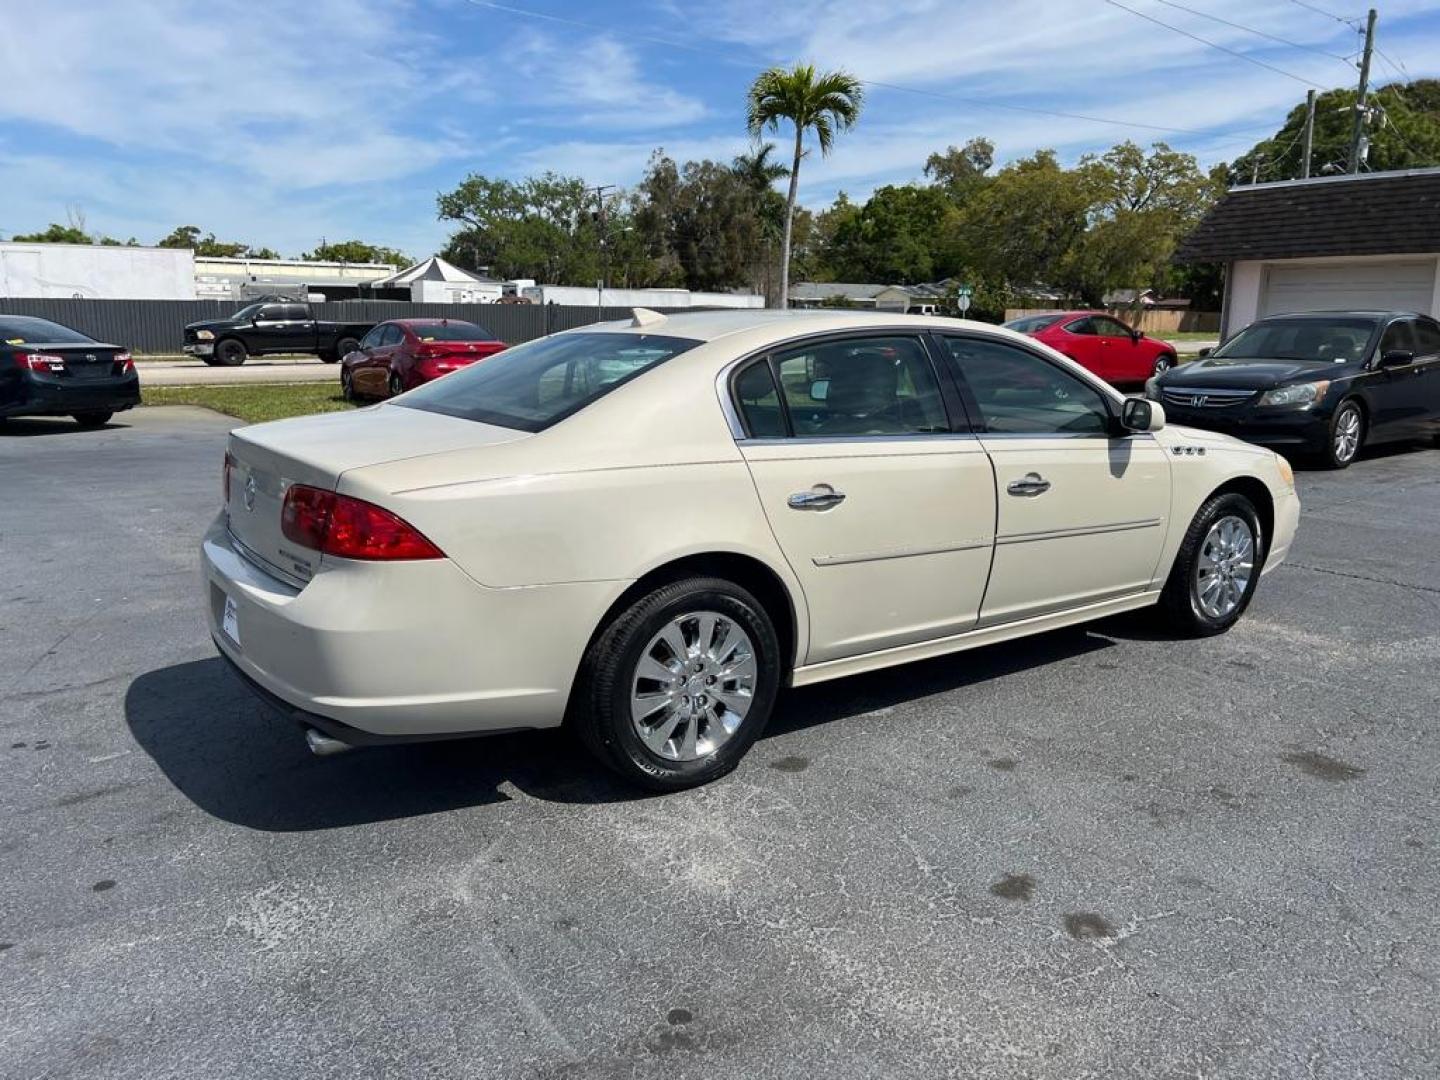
{"x": 375, "y": 651}
{"x": 42, "y": 396}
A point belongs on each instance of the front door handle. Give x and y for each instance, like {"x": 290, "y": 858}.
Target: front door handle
{"x": 819, "y": 497}
{"x": 1028, "y": 486}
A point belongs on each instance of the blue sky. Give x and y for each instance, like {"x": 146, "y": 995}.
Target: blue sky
{"x": 281, "y": 123}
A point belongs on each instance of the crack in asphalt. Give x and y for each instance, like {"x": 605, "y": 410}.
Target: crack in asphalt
{"x": 1362, "y": 577}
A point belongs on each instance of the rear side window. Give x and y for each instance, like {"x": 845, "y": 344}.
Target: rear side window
{"x": 760, "y": 402}
{"x": 24, "y": 330}
{"x": 1020, "y": 393}
{"x": 860, "y": 386}
{"x": 540, "y": 383}
{"x": 1398, "y": 335}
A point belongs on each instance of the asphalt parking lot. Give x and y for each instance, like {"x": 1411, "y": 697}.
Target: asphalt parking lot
{"x": 1099, "y": 853}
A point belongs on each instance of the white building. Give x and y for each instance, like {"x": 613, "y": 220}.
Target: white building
{"x": 96, "y": 272}
{"x": 436, "y": 281}
{"x": 218, "y": 278}
{"x": 581, "y": 296}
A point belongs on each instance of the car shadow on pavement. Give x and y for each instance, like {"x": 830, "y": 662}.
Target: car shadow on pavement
{"x": 240, "y": 762}
{"x": 28, "y": 426}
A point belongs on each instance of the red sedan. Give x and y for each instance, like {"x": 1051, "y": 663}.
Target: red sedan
{"x": 400, "y": 354}
{"x": 1100, "y": 343}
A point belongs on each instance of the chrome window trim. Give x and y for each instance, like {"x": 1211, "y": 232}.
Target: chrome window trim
{"x": 832, "y": 440}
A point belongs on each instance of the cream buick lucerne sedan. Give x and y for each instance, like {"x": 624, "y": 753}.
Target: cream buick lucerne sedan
{"x": 644, "y": 529}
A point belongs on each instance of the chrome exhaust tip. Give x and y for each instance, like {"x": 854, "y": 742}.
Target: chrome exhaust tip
{"x": 322, "y": 745}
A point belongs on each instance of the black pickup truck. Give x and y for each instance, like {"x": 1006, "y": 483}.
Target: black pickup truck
{"x": 272, "y": 326}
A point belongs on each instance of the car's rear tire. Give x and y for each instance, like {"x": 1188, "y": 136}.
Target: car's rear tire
{"x": 664, "y": 721}
{"x": 94, "y": 418}
{"x": 1344, "y": 436}
{"x": 1216, "y": 569}
{"x": 343, "y": 348}
{"x": 397, "y": 387}
{"x": 230, "y": 352}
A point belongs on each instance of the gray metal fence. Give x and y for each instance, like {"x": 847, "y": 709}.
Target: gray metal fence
{"x": 157, "y": 326}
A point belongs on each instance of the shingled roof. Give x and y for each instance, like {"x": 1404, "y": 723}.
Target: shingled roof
{"x": 1371, "y": 214}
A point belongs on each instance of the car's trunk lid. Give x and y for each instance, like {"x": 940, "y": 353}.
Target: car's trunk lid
{"x": 81, "y": 362}
{"x": 266, "y": 459}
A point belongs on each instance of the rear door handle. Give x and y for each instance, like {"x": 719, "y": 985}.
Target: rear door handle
{"x": 1028, "y": 486}
{"x": 819, "y": 497}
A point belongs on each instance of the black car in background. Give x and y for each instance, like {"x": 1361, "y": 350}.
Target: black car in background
{"x": 1320, "y": 384}
{"x": 51, "y": 370}
{"x": 273, "y": 325}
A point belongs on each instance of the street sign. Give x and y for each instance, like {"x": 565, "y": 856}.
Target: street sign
{"x": 962, "y": 298}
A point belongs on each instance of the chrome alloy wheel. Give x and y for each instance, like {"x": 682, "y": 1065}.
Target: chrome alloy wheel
{"x": 1224, "y": 567}
{"x": 1347, "y": 433}
{"x": 693, "y": 686}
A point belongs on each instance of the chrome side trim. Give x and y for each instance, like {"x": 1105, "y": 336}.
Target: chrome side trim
{"x": 829, "y": 440}
{"x": 1083, "y": 530}
{"x": 898, "y": 553}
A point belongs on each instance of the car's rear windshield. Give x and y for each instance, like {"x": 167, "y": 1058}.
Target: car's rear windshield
{"x": 1032, "y": 324}
{"x": 25, "y": 330}
{"x": 451, "y": 331}
{"x": 542, "y": 382}
{"x": 1319, "y": 340}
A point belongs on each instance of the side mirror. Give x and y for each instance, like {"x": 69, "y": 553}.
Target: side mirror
{"x": 1138, "y": 414}
{"x": 1137, "y": 334}
{"x": 1397, "y": 358}
{"x": 1205, "y": 352}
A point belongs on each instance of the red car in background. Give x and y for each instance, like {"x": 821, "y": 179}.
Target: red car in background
{"x": 1100, "y": 343}
{"x": 400, "y": 354}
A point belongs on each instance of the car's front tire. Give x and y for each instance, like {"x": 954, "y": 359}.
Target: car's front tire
{"x": 677, "y": 687}
{"x": 347, "y": 385}
{"x": 230, "y": 352}
{"x": 1344, "y": 436}
{"x": 1217, "y": 568}
{"x": 1163, "y": 363}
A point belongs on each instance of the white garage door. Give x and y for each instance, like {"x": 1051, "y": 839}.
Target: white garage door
{"x": 1401, "y": 286}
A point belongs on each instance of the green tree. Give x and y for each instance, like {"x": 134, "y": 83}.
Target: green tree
{"x": 893, "y": 237}
{"x": 542, "y": 227}
{"x": 1404, "y": 134}
{"x": 822, "y": 103}
{"x": 702, "y": 224}
{"x": 960, "y": 171}
{"x": 55, "y": 234}
{"x": 189, "y": 236}
{"x": 356, "y": 251}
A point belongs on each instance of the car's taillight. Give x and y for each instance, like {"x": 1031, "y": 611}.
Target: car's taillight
{"x": 225, "y": 488}
{"x": 350, "y": 528}
{"x": 124, "y": 364}
{"x": 44, "y": 362}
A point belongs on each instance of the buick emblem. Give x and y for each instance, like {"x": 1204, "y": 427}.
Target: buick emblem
{"x": 250, "y": 493}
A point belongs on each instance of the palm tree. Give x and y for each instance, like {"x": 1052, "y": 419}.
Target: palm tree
{"x": 822, "y": 103}
{"x": 756, "y": 169}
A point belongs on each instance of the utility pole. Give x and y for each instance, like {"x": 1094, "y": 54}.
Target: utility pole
{"x": 1255, "y": 168}
{"x": 1362, "y": 98}
{"x": 1309, "y": 135}
{"x": 600, "y": 190}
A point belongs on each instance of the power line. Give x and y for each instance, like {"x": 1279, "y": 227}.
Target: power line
{"x": 1215, "y": 45}
{"x": 937, "y": 94}
{"x": 1395, "y": 65}
{"x": 1354, "y": 24}
{"x": 1257, "y": 33}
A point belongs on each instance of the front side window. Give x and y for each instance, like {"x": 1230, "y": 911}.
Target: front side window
{"x": 392, "y": 335}
{"x": 861, "y": 386}
{"x": 1427, "y": 338}
{"x": 540, "y": 383}
{"x": 370, "y": 340}
{"x": 1020, "y": 393}
{"x": 1110, "y": 327}
{"x": 270, "y": 313}
{"x": 1398, "y": 336}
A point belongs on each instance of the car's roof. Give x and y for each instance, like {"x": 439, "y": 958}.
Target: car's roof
{"x": 429, "y": 322}
{"x": 1344, "y": 314}
{"x": 711, "y": 325}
